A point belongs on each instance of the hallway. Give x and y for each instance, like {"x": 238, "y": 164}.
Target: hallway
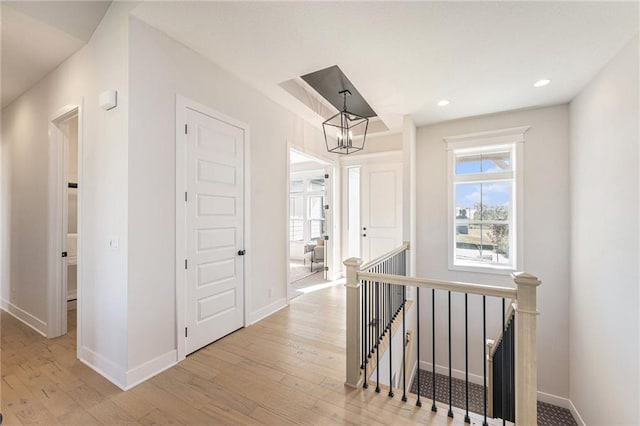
{"x": 286, "y": 369}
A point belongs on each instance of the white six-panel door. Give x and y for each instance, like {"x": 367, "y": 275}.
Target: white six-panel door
{"x": 214, "y": 232}
{"x": 381, "y": 209}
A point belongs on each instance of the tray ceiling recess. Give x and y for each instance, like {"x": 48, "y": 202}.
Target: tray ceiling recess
{"x": 329, "y": 82}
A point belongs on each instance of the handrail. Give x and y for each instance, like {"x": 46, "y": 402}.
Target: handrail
{"x": 461, "y": 287}
{"x": 378, "y": 260}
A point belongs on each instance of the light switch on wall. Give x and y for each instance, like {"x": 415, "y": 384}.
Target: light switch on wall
{"x": 114, "y": 243}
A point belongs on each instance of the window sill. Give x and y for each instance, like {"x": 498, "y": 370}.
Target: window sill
{"x": 493, "y": 270}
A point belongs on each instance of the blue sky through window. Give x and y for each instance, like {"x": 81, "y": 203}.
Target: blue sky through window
{"x": 489, "y": 194}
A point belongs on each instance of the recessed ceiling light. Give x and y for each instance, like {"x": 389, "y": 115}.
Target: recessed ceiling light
{"x": 443, "y": 102}
{"x": 541, "y": 83}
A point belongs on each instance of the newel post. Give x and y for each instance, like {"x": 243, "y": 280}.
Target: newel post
{"x": 526, "y": 350}
{"x": 353, "y": 321}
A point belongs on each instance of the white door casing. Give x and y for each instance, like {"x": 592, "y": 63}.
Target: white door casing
{"x": 381, "y": 209}
{"x": 214, "y": 228}
{"x": 57, "y": 223}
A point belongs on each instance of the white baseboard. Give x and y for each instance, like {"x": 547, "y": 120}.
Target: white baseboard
{"x": 554, "y": 400}
{"x": 150, "y": 368}
{"x": 270, "y": 309}
{"x": 458, "y": 374}
{"x": 24, "y": 317}
{"x": 561, "y": 402}
{"x": 412, "y": 376}
{"x": 106, "y": 368}
{"x": 576, "y": 415}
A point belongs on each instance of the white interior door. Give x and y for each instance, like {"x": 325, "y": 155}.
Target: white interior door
{"x": 381, "y": 209}
{"x": 214, "y": 229}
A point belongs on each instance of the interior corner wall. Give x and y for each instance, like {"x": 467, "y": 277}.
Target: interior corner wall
{"x": 409, "y": 188}
{"x": 99, "y": 65}
{"x": 604, "y": 305}
{"x": 546, "y": 241}
{"x": 161, "y": 68}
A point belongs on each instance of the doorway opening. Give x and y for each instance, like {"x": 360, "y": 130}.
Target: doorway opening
{"x": 310, "y": 222}
{"x": 64, "y": 264}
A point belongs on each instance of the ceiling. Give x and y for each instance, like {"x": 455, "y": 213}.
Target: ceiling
{"x": 403, "y": 57}
{"x": 37, "y": 36}
{"x": 299, "y": 161}
{"x": 406, "y": 56}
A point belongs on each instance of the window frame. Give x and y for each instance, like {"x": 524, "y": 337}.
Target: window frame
{"x": 480, "y": 142}
{"x": 305, "y": 195}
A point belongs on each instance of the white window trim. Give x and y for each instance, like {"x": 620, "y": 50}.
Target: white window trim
{"x": 511, "y": 136}
{"x": 305, "y": 194}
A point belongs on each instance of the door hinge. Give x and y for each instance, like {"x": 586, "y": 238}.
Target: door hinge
{"x": 64, "y": 254}
{"x": 326, "y": 268}
{"x": 186, "y": 332}
{"x": 326, "y": 206}
{"x": 326, "y": 238}
{"x": 326, "y": 175}
{"x": 185, "y": 196}
{"x": 185, "y": 129}
{"x": 185, "y": 264}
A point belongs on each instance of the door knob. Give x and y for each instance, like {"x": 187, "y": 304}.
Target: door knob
{"x": 240, "y": 252}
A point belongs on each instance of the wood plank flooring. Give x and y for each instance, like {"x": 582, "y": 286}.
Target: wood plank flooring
{"x": 288, "y": 369}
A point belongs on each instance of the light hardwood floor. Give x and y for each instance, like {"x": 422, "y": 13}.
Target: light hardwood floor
{"x": 287, "y": 369}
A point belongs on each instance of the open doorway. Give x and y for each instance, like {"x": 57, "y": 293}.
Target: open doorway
{"x": 72, "y": 223}
{"x": 65, "y": 223}
{"x": 310, "y": 222}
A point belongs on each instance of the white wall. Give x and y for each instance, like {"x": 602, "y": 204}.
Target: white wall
{"x": 546, "y": 241}
{"x": 100, "y": 65}
{"x": 396, "y": 356}
{"x": 604, "y": 245}
{"x": 381, "y": 143}
{"x": 160, "y": 68}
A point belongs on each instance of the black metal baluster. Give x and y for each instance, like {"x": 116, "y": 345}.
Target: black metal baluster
{"x": 390, "y": 355}
{"x": 365, "y": 330}
{"x": 370, "y": 320}
{"x": 504, "y": 363}
{"x": 364, "y": 321}
{"x": 385, "y": 294}
{"x": 512, "y": 355}
{"x": 383, "y": 300}
{"x": 418, "y": 402}
{"x": 434, "y": 407}
{"x": 466, "y": 359}
{"x": 450, "y": 413}
{"x": 484, "y": 357}
{"x": 378, "y": 333}
{"x": 404, "y": 348}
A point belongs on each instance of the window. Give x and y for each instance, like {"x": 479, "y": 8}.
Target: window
{"x": 306, "y": 207}
{"x": 485, "y": 186}
{"x": 316, "y": 216}
{"x": 296, "y": 218}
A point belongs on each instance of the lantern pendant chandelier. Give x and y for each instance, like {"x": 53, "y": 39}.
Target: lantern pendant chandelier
{"x": 348, "y": 128}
